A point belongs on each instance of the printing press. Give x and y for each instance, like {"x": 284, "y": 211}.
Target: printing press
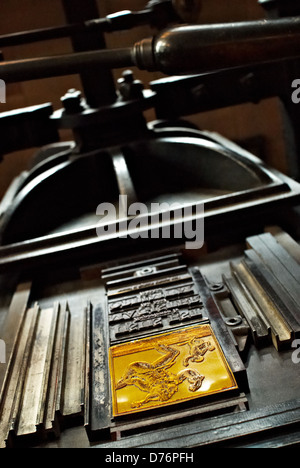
{"x": 150, "y": 268}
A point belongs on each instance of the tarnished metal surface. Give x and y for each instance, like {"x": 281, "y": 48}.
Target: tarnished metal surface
{"x": 286, "y": 241}
{"x": 249, "y": 309}
{"x": 281, "y": 332}
{"x": 54, "y": 404}
{"x": 183, "y": 50}
{"x": 98, "y": 421}
{"x": 68, "y": 64}
{"x": 289, "y": 310}
{"x": 46, "y": 376}
{"x": 198, "y": 49}
{"x": 73, "y": 398}
{"x": 31, "y": 413}
{"x": 150, "y": 298}
{"x": 263, "y": 288}
{"x": 13, "y": 321}
{"x": 11, "y": 394}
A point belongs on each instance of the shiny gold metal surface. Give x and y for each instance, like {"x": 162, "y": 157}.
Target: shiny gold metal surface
{"x": 168, "y": 369}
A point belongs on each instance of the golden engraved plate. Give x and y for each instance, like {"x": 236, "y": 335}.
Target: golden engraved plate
{"x": 168, "y": 369}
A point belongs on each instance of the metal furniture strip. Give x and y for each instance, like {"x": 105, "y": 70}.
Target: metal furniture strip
{"x": 11, "y": 395}
{"x": 278, "y": 267}
{"x": 249, "y": 309}
{"x": 281, "y": 332}
{"x": 56, "y": 382}
{"x": 289, "y": 310}
{"x": 36, "y": 380}
{"x": 13, "y": 321}
{"x": 222, "y": 430}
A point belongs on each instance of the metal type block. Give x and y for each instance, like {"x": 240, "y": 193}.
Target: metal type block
{"x": 32, "y": 409}
{"x": 87, "y": 369}
{"x": 12, "y": 390}
{"x": 98, "y": 421}
{"x": 73, "y": 393}
{"x": 157, "y": 308}
{"x": 160, "y": 294}
{"x": 286, "y": 241}
{"x": 141, "y": 269}
{"x": 168, "y": 369}
{"x": 249, "y": 309}
{"x": 13, "y": 321}
{"x": 151, "y": 273}
{"x": 36, "y": 398}
{"x": 146, "y": 285}
{"x": 56, "y": 381}
{"x": 107, "y": 272}
{"x": 290, "y": 281}
{"x": 280, "y": 331}
{"x": 287, "y": 260}
{"x": 289, "y": 310}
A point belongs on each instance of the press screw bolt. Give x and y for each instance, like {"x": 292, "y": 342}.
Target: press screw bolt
{"x": 130, "y": 88}
{"x": 72, "y": 101}
{"x": 216, "y": 287}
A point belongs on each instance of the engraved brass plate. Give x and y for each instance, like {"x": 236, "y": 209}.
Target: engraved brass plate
{"x": 168, "y": 369}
